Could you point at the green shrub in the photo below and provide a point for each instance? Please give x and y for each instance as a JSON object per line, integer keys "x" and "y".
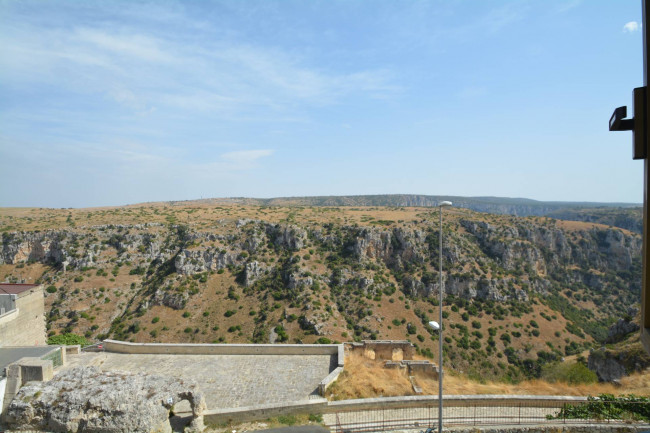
{"x": 51, "y": 289}
{"x": 287, "y": 419}
{"x": 186, "y": 314}
{"x": 68, "y": 339}
{"x": 572, "y": 373}
{"x": 606, "y": 406}
{"x": 315, "y": 417}
{"x": 155, "y": 319}
{"x": 411, "y": 329}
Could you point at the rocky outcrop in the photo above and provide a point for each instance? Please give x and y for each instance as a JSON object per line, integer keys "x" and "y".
{"x": 87, "y": 399}
{"x": 286, "y": 236}
{"x": 620, "y": 330}
{"x": 606, "y": 365}
{"x": 190, "y": 262}
{"x": 253, "y": 271}
{"x": 175, "y": 300}
{"x": 621, "y": 360}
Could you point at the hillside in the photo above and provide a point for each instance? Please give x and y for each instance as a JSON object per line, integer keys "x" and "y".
{"x": 497, "y": 205}
{"x": 522, "y": 292}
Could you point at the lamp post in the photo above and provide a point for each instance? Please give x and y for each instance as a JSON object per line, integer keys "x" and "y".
{"x": 440, "y": 374}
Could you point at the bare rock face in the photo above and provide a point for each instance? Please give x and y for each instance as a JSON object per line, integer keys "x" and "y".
{"x": 253, "y": 271}
{"x": 606, "y": 365}
{"x": 620, "y": 330}
{"x": 170, "y": 299}
{"x": 89, "y": 400}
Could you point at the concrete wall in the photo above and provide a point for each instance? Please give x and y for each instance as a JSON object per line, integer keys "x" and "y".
{"x": 23, "y": 371}
{"x": 451, "y": 401}
{"x": 323, "y": 406}
{"x": 225, "y": 349}
{"x": 329, "y": 379}
{"x": 243, "y": 414}
{"x": 27, "y": 328}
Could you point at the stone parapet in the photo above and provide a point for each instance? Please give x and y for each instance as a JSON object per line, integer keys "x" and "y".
{"x": 325, "y": 383}
{"x": 224, "y": 349}
{"x": 243, "y": 414}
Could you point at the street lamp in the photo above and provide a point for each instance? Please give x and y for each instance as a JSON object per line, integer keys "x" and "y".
{"x": 438, "y": 326}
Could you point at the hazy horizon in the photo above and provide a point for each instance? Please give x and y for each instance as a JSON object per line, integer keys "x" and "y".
{"x": 557, "y": 202}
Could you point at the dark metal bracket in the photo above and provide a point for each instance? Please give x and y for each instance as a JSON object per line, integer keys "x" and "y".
{"x": 638, "y": 124}
{"x": 618, "y": 121}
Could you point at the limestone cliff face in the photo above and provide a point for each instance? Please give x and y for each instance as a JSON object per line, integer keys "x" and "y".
{"x": 482, "y": 260}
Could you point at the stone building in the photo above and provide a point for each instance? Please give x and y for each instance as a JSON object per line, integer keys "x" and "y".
{"x": 22, "y": 315}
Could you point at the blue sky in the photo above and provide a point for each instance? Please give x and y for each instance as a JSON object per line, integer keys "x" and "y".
{"x": 108, "y": 103}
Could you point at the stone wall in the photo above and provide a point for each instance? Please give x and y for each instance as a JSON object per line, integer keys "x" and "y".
{"x": 391, "y": 350}
{"x": 27, "y": 327}
{"x": 241, "y": 414}
{"x": 226, "y": 349}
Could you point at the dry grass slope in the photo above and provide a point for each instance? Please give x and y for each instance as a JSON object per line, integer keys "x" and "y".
{"x": 366, "y": 378}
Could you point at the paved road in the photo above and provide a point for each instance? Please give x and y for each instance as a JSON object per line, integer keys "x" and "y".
{"x": 227, "y": 380}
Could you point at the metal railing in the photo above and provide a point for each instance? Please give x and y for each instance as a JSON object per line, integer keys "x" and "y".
{"x": 55, "y": 356}
{"x": 488, "y": 413}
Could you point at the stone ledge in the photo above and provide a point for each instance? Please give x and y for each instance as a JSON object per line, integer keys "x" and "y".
{"x": 223, "y": 349}
{"x": 251, "y": 413}
{"x": 325, "y": 383}
{"x": 449, "y": 401}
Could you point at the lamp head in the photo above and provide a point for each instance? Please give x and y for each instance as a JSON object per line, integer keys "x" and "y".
{"x": 444, "y": 203}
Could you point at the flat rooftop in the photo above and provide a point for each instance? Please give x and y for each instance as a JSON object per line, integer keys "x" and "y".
{"x": 227, "y": 381}
{"x": 10, "y": 355}
{"x": 15, "y": 289}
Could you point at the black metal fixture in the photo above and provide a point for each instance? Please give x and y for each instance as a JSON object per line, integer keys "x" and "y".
{"x": 637, "y": 124}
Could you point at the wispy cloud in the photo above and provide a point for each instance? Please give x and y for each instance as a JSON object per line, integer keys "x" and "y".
{"x": 631, "y": 27}
{"x": 245, "y": 158}
{"x": 567, "y": 5}
{"x": 141, "y": 70}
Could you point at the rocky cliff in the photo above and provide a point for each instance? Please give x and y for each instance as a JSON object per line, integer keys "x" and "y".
{"x": 348, "y": 274}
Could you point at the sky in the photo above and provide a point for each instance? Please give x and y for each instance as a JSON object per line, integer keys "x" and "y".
{"x": 121, "y": 102}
